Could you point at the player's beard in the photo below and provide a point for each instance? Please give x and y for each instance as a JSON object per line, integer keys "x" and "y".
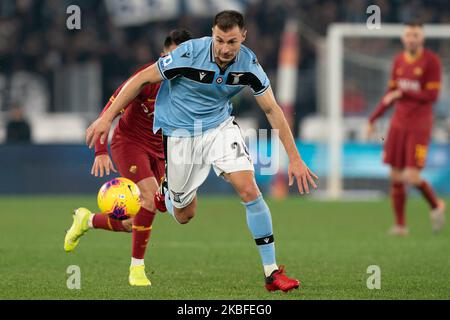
{"x": 414, "y": 49}
{"x": 223, "y": 63}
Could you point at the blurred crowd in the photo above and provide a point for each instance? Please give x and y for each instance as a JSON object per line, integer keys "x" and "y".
{"x": 34, "y": 37}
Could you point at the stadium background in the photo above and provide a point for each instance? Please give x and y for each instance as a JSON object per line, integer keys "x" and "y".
{"x": 62, "y": 78}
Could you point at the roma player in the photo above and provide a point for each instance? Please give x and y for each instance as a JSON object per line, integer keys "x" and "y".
{"x": 139, "y": 156}
{"x": 413, "y": 88}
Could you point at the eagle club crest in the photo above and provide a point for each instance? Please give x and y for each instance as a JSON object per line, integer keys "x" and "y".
{"x": 176, "y": 196}
{"x": 236, "y": 77}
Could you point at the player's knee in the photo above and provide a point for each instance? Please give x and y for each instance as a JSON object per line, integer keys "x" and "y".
{"x": 397, "y": 177}
{"x": 148, "y": 202}
{"x": 183, "y": 219}
{"x": 412, "y": 178}
{"x": 249, "y": 193}
{"x": 184, "y": 215}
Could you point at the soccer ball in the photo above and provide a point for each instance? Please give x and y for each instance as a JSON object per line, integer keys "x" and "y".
{"x": 119, "y": 198}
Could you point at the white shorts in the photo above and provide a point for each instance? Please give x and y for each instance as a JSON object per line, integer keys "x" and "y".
{"x": 189, "y": 159}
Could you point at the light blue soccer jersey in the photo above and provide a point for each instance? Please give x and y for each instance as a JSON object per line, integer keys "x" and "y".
{"x": 198, "y": 92}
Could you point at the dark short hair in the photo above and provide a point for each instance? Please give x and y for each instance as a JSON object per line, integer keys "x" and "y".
{"x": 177, "y": 36}
{"x": 414, "y": 23}
{"x": 228, "y": 19}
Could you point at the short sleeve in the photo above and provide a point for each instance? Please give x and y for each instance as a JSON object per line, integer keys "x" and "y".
{"x": 258, "y": 80}
{"x": 171, "y": 65}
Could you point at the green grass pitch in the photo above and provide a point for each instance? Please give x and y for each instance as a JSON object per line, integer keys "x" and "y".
{"x": 327, "y": 245}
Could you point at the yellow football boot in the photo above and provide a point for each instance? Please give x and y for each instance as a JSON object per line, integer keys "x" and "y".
{"x": 137, "y": 276}
{"x": 78, "y": 228}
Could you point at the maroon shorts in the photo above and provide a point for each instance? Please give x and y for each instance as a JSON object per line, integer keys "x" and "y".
{"x": 406, "y": 148}
{"x": 134, "y": 163}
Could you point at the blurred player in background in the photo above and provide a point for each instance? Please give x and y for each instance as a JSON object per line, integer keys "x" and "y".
{"x": 18, "y": 129}
{"x": 139, "y": 156}
{"x": 202, "y": 76}
{"x": 413, "y": 88}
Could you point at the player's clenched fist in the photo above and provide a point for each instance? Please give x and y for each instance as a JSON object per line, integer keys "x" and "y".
{"x": 303, "y": 174}
{"x": 98, "y": 129}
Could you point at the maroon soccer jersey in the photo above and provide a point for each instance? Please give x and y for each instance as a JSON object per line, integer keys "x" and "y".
{"x": 419, "y": 80}
{"x": 136, "y": 124}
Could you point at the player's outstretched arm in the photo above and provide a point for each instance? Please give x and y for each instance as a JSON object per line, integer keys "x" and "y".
{"x": 297, "y": 168}
{"x": 100, "y": 127}
{"x": 392, "y": 94}
{"x": 386, "y": 102}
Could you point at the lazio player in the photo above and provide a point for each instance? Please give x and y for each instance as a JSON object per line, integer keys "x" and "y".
{"x": 201, "y": 76}
{"x": 413, "y": 88}
{"x": 139, "y": 156}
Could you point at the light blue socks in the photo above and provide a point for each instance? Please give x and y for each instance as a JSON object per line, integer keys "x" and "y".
{"x": 169, "y": 204}
{"x": 259, "y": 222}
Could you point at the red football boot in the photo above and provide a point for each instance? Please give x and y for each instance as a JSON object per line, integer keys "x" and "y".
{"x": 160, "y": 202}
{"x": 160, "y": 196}
{"x": 278, "y": 280}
